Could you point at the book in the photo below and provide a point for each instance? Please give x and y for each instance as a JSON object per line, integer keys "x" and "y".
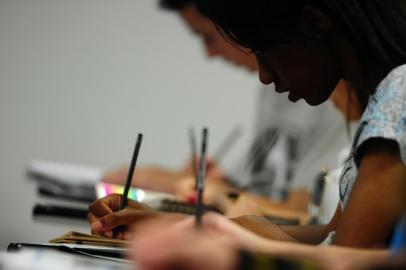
{"x": 73, "y": 237}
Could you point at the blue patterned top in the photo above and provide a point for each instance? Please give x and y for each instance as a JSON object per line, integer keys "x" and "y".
{"x": 385, "y": 117}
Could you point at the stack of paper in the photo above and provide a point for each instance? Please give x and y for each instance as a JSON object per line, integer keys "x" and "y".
{"x": 87, "y": 239}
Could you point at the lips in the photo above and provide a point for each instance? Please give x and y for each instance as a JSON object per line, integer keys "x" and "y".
{"x": 292, "y": 97}
{"x": 278, "y": 89}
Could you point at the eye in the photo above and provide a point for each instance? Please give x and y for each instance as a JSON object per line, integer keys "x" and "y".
{"x": 208, "y": 39}
{"x": 261, "y": 58}
{"x": 255, "y": 52}
{"x": 259, "y": 54}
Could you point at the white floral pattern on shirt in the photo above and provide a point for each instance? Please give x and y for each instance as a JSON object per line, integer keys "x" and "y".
{"x": 385, "y": 117}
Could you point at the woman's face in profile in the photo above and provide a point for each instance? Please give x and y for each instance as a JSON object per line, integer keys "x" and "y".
{"x": 305, "y": 68}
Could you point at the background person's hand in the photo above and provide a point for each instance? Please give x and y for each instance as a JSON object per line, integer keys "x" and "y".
{"x": 146, "y": 177}
{"x": 213, "y": 169}
{"x": 184, "y": 190}
{"x": 116, "y": 176}
{"x": 241, "y": 206}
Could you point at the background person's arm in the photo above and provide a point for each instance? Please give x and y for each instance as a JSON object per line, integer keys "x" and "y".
{"x": 148, "y": 177}
{"x": 162, "y": 179}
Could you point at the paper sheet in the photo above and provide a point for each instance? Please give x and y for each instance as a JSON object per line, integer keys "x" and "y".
{"x": 66, "y": 173}
{"x": 88, "y": 239}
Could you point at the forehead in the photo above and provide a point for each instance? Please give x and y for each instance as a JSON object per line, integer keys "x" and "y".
{"x": 197, "y": 22}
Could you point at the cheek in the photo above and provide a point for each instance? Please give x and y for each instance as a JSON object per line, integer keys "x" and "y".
{"x": 310, "y": 74}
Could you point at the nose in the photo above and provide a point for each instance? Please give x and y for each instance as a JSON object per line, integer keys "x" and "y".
{"x": 211, "y": 51}
{"x": 266, "y": 76}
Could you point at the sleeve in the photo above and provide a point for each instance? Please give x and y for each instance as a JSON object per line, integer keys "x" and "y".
{"x": 385, "y": 116}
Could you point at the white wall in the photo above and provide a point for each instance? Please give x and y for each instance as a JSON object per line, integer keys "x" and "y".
{"x": 79, "y": 79}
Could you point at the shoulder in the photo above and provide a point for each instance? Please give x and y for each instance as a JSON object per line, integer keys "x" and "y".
{"x": 396, "y": 78}
{"x": 385, "y": 116}
{"x": 392, "y": 88}
{"x": 389, "y": 100}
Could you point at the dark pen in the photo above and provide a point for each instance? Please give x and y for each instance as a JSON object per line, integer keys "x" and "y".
{"x": 124, "y": 197}
{"x": 200, "y": 178}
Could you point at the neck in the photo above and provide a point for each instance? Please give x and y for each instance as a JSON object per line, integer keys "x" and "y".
{"x": 365, "y": 77}
{"x": 368, "y": 80}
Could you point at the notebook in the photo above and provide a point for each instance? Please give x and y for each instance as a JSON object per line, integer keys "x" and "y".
{"x": 88, "y": 239}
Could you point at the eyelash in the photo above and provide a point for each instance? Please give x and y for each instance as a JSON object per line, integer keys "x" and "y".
{"x": 257, "y": 53}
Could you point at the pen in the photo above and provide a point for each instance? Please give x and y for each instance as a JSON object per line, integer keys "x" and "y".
{"x": 227, "y": 143}
{"x": 221, "y": 151}
{"x": 200, "y": 178}
{"x": 192, "y": 139}
{"x": 124, "y": 197}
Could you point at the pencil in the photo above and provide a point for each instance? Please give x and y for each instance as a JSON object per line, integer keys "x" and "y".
{"x": 200, "y": 178}
{"x": 227, "y": 143}
{"x": 124, "y": 197}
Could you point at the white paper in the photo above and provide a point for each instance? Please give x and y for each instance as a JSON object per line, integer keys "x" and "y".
{"x": 65, "y": 173}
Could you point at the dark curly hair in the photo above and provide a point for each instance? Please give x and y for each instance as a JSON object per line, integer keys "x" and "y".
{"x": 375, "y": 28}
{"x": 174, "y": 4}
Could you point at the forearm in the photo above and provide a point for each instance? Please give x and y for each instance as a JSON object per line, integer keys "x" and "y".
{"x": 263, "y": 228}
{"x": 298, "y": 200}
{"x": 313, "y": 234}
{"x": 308, "y": 234}
{"x": 281, "y": 209}
{"x": 326, "y": 257}
{"x": 156, "y": 178}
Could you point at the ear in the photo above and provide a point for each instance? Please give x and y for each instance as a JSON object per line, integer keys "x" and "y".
{"x": 318, "y": 20}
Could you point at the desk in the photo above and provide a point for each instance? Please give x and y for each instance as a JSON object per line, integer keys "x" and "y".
{"x": 40, "y": 259}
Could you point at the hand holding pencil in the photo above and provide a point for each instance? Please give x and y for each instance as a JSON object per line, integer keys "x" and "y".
{"x": 114, "y": 220}
{"x": 104, "y": 215}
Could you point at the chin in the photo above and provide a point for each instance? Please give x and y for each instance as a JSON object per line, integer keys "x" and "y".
{"x": 314, "y": 102}
{"x": 293, "y": 100}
